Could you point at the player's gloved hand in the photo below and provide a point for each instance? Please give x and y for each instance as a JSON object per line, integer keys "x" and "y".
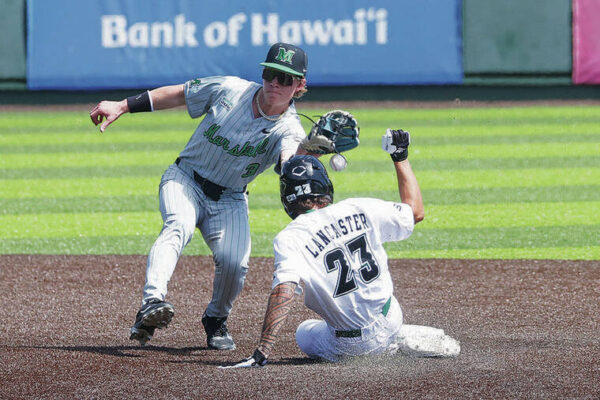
{"x": 335, "y": 132}
{"x": 257, "y": 360}
{"x": 396, "y": 142}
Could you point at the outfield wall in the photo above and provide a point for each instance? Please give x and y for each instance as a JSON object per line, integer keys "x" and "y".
{"x": 110, "y": 44}
{"x": 114, "y": 44}
{"x": 517, "y": 37}
{"x": 12, "y": 41}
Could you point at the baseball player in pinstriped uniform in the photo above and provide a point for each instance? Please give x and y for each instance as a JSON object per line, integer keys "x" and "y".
{"x": 337, "y": 251}
{"x": 246, "y": 129}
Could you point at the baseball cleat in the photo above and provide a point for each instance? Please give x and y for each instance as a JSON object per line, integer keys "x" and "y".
{"x": 154, "y": 314}
{"x": 142, "y": 334}
{"x": 217, "y": 335}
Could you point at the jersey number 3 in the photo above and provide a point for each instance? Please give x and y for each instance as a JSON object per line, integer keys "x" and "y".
{"x": 251, "y": 170}
{"x": 336, "y": 259}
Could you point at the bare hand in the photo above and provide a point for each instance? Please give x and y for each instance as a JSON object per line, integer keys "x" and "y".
{"x": 108, "y": 111}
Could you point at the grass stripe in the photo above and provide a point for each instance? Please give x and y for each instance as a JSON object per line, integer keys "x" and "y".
{"x": 45, "y": 205}
{"x": 51, "y": 205}
{"x": 59, "y": 188}
{"x": 423, "y": 135}
{"x": 508, "y": 195}
{"x": 42, "y": 150}
{"x": 458, "y": 138}
{"x": 376, "y": 119}
{"x": 467, "y": 216}
{"x": 454, "y": 243}
{"x": 173, "y": 134}
{"x": 474, "y": 155}
{"x": 268, "y": 183}
{"x": 519, "y": 114}
{"x": 465, "y": 152}
{"x": 115, "y": 154}
{"x": 449, "y": 123}
{"x": 503, "y": 237}
{"x": 57, "y": 121}
{"x": 132, "y": 158}
{"x": 381, "y": 165}
{"x": 511, "y": 215}
{"x": 93, "y": 245}
{"x": 508, "y": 178}
{"x": 480, "y": 116}
{"x": 540, "y": 253}
{"x": 65, "y": 225}
{"x": 515, "y": 111}
{"x": 183, "y": 127}
{"x": 84, "y": 172}
{"x": 498, "y": 132}
{"x": 419, "y": 165}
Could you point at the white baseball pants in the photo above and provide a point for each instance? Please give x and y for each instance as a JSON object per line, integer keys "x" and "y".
{"x": 318, "y": 340}
{"x": 387, "y": 335}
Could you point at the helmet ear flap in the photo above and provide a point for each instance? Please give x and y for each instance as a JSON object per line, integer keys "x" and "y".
{"x": 303, "y": 177}
{"x": 288, "y": 199}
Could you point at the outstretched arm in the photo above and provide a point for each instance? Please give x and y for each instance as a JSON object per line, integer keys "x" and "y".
{"x": 396, "y": 142}
{"x": 278, "y": 309}
{"x": 410, "y": 192}
{"x": 167, "y": 97}
{"x": 106, "y": 112}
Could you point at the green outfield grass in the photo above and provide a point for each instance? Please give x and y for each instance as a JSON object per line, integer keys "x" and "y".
{"x": 521, "y": 182}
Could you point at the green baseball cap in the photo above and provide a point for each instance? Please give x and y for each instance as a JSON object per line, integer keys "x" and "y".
{"x": 287, "y": 58}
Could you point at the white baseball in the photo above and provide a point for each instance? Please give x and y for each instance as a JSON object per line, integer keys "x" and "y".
{"x": 338, "y": 162}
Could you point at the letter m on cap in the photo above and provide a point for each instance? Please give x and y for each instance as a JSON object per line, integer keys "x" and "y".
{"x": 285, "y": 56}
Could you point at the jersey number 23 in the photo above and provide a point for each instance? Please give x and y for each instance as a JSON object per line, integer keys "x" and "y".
{"x": 337, "y": 259}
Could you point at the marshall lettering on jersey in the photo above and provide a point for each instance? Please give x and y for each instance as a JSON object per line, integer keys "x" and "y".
{"x": 246, "y": 150}
{"x": 343, "y": 226}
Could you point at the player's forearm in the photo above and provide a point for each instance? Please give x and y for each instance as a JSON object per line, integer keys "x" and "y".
{"x": 167, "y": 97}
{"x": 410, "y": 192}
{"x": 277, "y": 312}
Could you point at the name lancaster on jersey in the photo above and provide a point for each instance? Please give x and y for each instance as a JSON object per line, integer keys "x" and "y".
{"x": 343, "y": 226}
{"x": 246, "y": 149}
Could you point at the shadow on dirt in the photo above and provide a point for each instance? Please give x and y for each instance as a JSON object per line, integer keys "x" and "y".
{"x": 126, "y": 351}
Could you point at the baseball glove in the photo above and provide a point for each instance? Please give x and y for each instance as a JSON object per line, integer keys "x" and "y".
{"x": 335, "y": 132}
{"x": 396, "y": 142}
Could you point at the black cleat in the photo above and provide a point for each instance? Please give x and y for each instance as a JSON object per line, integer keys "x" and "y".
{"x": 154, "y": 314}
{"x": 217, "y": 335}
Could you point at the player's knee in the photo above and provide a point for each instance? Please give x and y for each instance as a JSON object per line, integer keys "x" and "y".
{"x": 178, "y": 229}
{"x": 305, "y": 336}
{"x": 225, "y": 258}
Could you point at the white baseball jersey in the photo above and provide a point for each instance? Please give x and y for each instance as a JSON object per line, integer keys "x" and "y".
{"x": 230, "y": 147}
{"x": 338, "y": 253}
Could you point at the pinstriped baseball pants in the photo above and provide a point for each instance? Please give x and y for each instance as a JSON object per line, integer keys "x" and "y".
{"x": 224, "y": 227}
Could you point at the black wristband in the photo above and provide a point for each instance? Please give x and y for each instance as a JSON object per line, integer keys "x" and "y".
{"x": 401, "y": 156}
{"x": 140, "y": 103}
{"x": 259, "y": 357}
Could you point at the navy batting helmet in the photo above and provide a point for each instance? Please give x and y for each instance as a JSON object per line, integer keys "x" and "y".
{"x": 303, "y": 177}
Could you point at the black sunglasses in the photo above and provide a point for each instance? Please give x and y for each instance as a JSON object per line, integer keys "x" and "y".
{"x": 283, "y": 78}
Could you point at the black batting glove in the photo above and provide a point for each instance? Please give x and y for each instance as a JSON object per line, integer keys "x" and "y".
{"x": 257, "y": 360}
{"x": 396, "y": 142}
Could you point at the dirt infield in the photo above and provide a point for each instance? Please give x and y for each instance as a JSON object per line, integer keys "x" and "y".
{"x": 528, "y": 329}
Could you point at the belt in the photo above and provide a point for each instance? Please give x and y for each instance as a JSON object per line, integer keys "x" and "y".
{"x": 209, "y": 188}
{"x": 357, "y": 332}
